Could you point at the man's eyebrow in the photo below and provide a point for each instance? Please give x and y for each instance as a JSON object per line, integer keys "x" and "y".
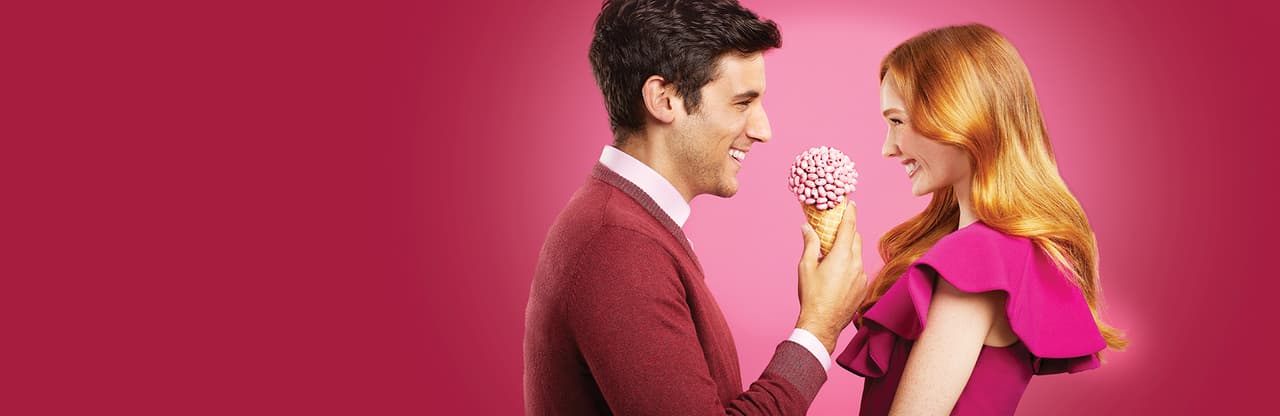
{"x": 745, "y": 95}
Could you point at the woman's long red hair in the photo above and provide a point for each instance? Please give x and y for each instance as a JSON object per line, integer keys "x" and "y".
{"x": 968, "y": 87}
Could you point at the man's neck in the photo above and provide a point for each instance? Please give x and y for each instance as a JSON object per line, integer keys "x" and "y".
{"x": 652, "y": 151}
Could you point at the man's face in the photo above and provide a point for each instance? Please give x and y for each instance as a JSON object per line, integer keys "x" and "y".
{"x": 709, "y": 146}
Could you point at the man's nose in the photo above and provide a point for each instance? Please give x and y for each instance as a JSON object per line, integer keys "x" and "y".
{"x": 758, "y": 127}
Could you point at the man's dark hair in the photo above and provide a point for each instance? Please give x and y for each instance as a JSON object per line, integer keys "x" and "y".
{"x": 679, "y": 40}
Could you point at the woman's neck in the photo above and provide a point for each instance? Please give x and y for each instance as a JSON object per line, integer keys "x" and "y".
{"x": 966, "y": 208}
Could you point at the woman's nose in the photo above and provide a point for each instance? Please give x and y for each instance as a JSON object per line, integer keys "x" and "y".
{"x": 889, "y": 149}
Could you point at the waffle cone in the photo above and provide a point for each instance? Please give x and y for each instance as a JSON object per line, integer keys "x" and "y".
{"x": 825, "y": 222}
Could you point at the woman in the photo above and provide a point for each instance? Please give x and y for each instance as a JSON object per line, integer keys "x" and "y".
{"x": 1002, "y": 265}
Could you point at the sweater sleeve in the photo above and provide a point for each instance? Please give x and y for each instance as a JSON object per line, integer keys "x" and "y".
{"x": 630, "y": 318}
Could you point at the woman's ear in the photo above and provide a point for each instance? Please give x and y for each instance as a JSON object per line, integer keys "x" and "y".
{"x": 660, "y": 99}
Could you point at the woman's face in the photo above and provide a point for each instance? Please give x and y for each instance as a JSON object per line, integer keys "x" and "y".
{"x": 929, "y": 164}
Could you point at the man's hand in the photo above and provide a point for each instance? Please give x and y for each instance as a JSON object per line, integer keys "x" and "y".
{"x": 831, "y": 288}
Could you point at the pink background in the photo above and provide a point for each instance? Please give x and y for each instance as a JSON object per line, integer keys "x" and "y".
{"x": 327, "y": 208}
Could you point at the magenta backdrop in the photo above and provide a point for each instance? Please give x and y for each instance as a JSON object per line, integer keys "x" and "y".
{"x": 336, "y": 207}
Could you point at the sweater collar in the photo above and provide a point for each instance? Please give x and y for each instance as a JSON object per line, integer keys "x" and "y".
{"x": 649, "y": 181}
{"x": 604, "y": 174}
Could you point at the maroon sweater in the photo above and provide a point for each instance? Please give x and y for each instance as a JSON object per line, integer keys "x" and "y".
{"x": 620, "y": 321}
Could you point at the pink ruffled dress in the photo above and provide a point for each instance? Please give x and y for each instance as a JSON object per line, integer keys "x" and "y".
{"x": 1055, "y": 329}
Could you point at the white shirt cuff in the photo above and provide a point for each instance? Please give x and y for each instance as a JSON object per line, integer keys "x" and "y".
{"x": 810, "y": 342}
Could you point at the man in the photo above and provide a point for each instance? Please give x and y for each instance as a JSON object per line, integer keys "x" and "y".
{"x": 620, "y": 319}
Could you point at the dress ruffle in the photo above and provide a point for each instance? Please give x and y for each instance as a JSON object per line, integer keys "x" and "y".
{"x": 1046, "y": 310}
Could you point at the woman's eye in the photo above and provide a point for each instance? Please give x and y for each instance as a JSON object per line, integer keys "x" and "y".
{"x": 895, "y": 121}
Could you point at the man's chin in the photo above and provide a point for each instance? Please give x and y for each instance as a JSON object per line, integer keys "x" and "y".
{"x": 727, "y": 189}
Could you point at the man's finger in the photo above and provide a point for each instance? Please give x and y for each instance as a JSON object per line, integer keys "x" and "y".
{"x": 857, "y": 246}
{"x": 852, "y": 210}
{"x": 844, "y": 234}
{"x": 811, "y": 245}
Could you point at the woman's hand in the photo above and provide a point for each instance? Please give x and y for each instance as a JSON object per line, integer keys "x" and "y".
{"x": 831, "y": 288}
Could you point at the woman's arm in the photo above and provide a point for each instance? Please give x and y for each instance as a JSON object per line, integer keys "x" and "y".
{"x": 943, "y": 358}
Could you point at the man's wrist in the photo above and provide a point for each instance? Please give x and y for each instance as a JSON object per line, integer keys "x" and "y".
{"x": 811, "y": 343}
{"x": 822, "y": 332}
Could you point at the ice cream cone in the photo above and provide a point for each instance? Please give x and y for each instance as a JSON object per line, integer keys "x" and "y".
{"x": 824, "y": 222}
{"x": 821, "y": 179}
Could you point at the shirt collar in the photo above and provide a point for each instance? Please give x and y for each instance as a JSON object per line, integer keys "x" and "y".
{"x": 649, "y": 181}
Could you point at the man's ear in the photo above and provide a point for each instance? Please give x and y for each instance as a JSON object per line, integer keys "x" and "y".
{"x": 660, "y": 99}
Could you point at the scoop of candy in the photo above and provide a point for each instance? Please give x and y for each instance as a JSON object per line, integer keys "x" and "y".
{"x": 821, "y": 177}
